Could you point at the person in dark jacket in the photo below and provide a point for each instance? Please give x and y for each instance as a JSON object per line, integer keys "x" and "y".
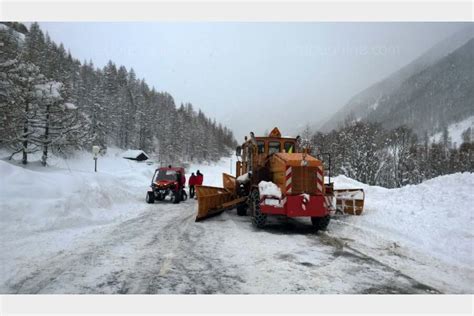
{"x": 192, "y": 183}
{"x": 199, "y": 178}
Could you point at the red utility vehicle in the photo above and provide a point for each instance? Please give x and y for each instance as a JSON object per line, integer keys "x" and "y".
{"x": 167, "y": 182}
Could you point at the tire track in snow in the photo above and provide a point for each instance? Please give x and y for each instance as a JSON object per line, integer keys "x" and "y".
{"x": 194, "y": 267}
{"x": 341, "y": 246}
{"x": 68, "y": 271}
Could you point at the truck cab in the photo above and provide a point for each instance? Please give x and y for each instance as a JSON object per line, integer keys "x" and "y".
{"x": 256, "y": 151}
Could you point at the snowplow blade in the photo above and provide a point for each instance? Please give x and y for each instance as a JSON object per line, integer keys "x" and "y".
{"x": 214, "y": 200}
{"x": 350, "y": 201}
{"x": 211, "y": 200}
{"x": 229, "y": 182}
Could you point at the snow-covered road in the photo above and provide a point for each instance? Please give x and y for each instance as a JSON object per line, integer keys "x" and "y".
{"x": 162, "y": 250}
{"x": 65, "y": 229}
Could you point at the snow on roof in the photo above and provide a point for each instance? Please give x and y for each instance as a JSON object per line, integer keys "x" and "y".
{"x": 134, "y": 153}
{"x": 69, "y": 106}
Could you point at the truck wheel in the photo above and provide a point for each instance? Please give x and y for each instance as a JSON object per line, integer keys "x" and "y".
{"x": 320, "y": 223}
{"x": 258, "y": 218}
{"x": 242, "y": 209}
{"x": 150, "y": 197}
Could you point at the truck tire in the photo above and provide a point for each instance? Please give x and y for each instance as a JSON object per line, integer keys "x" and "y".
{"x": 258, "y": 218}
{"x": 242, "y": 209}
{"x": 150, "y": 197}
{"x": 320, "y": 223}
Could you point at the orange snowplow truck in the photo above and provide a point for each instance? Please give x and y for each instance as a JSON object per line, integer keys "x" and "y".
{"x": 274, "y": 176}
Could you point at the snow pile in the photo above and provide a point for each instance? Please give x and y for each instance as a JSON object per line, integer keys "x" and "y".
{"x": 434, "y": 218}
{"x": 244, "y": 178}
{"x": 68, "y": 193}
{"x": 47, "y": 210}
{"x": 269, "y": 189}
{"x": 343, "y": 182}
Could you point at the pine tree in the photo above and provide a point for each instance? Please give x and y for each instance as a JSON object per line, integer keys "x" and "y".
{"x": 50, "y": 101}
{"x": 22, "y": 109}
{"x": 56, "y": 121}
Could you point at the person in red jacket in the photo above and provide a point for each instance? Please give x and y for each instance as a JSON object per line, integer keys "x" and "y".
{"x": 192, "y": 183}
{"x": 199, "y": 178}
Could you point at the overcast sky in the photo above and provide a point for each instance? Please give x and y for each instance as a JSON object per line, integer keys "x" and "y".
{"x": 254, "y": 76}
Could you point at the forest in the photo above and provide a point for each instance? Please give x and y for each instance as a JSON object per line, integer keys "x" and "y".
{"x": 52, "y": 103}
{"x": 390, "y": 158}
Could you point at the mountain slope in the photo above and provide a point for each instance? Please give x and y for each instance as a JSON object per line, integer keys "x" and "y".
{"x": 441, "y": 94}
{"x": 362, "y": 104}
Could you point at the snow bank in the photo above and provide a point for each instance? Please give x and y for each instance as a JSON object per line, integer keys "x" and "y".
{"x": 435, "y": 217}
{"x": 269, "y": 189}
{"x": 343, "y": 182}
{"x": 68, "y": 193}
{"x": 48, "y": 210}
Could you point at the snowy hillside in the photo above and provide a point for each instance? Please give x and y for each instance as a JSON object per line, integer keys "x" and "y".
{"x": 93, "y": 233}
{"x": 438, "y": 95}
{"x": 456, "y": 130}
{"x": 405, "y": 96}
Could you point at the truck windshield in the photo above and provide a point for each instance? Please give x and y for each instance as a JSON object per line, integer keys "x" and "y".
{"x": 273, "y": 147}
{"x": 166, "y": 175}
{"x": 289, "y": 147}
